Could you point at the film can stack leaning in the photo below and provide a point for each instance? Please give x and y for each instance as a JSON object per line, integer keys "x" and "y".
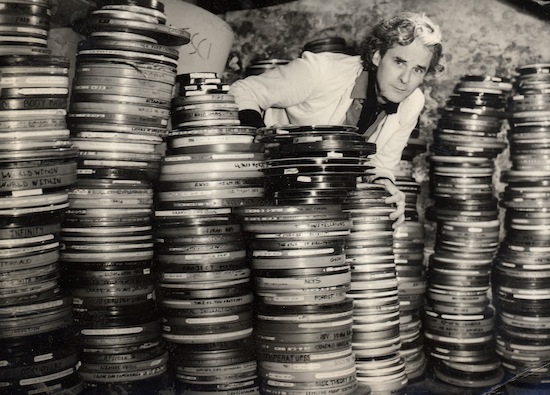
{"x": 118, "y": 116}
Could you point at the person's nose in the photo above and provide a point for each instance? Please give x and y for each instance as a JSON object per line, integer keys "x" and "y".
{"x": 405, "y": 76}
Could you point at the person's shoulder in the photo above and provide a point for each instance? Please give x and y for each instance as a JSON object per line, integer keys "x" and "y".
{"x": 415, "y": 101}
{"x": 336, "y": 65}
{"x": 412, "y": 106}
{"x": 331, "y": 57}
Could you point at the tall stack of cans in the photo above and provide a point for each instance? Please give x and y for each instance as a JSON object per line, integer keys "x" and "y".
{"x": 521, "y": 281}
{"x": 408, "y": 250}
{"x": 212, "y": 165}
{"x": 38, "y": 165}
{"x": 118, "y": 116}
{"x": 459, "y": 317}
{"x": 297, "y": 252}
{"x": 374, "y": 290}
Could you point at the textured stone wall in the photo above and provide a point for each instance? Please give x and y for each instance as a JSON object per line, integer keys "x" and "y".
{"x": 480, "y": 36}
{"x": 487, "y": 37}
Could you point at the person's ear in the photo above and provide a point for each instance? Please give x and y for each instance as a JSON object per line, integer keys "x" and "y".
{"x": 376, "y": 58}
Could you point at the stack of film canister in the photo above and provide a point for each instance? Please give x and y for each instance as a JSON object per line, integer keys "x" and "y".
{"x": 405, "y": 178}
{"x": 298, "y": 259}
{"x": 521, "y": 276}
{"x": 470, "y": 122}
{"x": 303, "y": 318}
{"x": 313, "y": 164}
{"x": 326, "y": 44}
{"x": 24, "y": 27}
{"x": 124, "y": 81}
{"x": 374, "y": 290}
{"x": 260, "y": 66}
{"x": 459, "y": 318}
{"x": 408, "y": 250}
{"x": 195, "y": 105}
{"x": 212, "y": 165}
{"x": 120, "y": 106}
{"x": 38, "y": 165}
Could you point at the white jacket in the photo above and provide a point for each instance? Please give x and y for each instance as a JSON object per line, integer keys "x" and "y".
{"x": 315, "y": 90}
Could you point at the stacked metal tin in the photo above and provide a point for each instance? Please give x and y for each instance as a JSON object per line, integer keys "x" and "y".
{"x": 521, "y": 277}
{"x": 212, "y": 166}
{"x": 24, "y": 27}
{"x": 313, "y": 164}
{"x": 408, "y": 250}
{"x": 326, "y": 44}
{"x": 459, "y": 317}
{"x": 303, "y": 316}
{"x": 373, "y": 288}
{"x": 37, "y": 167}
{"x": 118, "y": 116}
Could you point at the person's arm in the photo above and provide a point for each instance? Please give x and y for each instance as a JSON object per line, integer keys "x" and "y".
{"x": 397, "y": 197}
{"x": 281, "y": 87}
{"x": 386, "y": 159}
{"x": 388, "y": 155}
{"x": 391, "y": 143}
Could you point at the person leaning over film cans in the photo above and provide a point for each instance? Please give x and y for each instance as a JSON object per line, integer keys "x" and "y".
{"x": 378, "y": 91}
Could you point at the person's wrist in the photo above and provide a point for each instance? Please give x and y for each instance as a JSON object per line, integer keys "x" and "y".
{"x": 251, "y": 118}
{"x": 382, "y": 180}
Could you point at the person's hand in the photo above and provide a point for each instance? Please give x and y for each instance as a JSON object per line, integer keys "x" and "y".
{"x": 251, "y": 118}
{"x": 397, "y": 197}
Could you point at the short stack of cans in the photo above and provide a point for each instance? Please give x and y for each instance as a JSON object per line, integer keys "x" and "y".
{"x": 521, "y": 281}
{"x": 459, "y": 317}
{"x": 313, "y": 164}
{"x": 212, "y": 165}
{"x": 24, "y": 27}
{"x": 38, "y": 165}
{"x": 118, "y": 116}
{"x": 471, "y": 121}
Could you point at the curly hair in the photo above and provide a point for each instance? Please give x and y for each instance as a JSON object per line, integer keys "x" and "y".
{"x": 403, "y": 29}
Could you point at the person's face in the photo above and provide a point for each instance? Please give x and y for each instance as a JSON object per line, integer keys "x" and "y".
{"x": 401, "y": 70}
